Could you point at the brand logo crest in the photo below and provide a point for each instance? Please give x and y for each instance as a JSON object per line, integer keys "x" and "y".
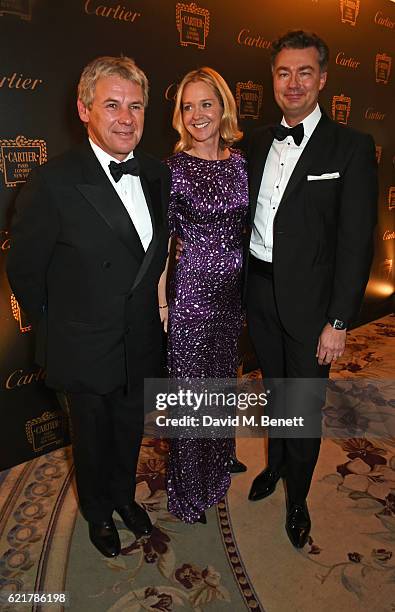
{"x": 19, "y": 315}
{"x": 46, "y": 430}
{"x": 341, "y": 108}
{"x": 193, "y": 24}
{"x": 383, "y": 68}
{"x": 391, "y": 198}
{"x": 349, "y": 10}
{"x": 249, "y": 97}
{"x": 18, "y": 157}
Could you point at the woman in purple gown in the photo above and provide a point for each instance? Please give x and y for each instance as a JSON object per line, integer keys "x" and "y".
{"x": 207, "y": 211}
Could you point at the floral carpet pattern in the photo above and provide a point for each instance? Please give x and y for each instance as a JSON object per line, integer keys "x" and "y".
{"x": 366, "y": 483}
{"x": 349, "y": 562}
{"x": 44, "y": 546}
{"x": 241, "y": 560}
{"x": 177, "y": 566}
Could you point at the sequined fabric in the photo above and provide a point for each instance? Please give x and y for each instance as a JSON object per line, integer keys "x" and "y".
{"x": 208, "y": 208}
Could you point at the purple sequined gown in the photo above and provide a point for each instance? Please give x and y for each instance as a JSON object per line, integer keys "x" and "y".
{"x": 208, "y": 208}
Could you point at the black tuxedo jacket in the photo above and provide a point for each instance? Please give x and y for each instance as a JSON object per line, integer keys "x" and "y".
{"x": 323, "y": 229}
{"x": 79, "y": 270}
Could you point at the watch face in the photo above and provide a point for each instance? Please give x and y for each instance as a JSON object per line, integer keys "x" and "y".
{"x": 337, "y": 324}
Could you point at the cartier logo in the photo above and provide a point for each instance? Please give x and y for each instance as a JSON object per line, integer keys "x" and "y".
{"x": 253, "y": 40}
{"x": 19, "y": 81}
{"x": 4, "y": 240}
{"x": 382, "y": 20}
{"x": 341, "y": 108}
{"x": 383, "y": 68}
{"x": 171, "y": 91}
{"x": 19, "y": 378}
{"x": 19, "y": 156}
{"x": 374, "y": 115}
{"x": 347, "y": 62}
{"x": 193, "y": 24}
{"x": 118, "y": 12}
{"x": 349, "y": 10}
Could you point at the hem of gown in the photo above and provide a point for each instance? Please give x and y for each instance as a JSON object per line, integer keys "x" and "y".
{"x": 192, "y": 517}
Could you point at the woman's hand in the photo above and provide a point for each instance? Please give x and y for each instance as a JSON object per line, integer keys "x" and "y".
{"x": 164, "y": 316}
{"x": 179, "y": 248}
{"x": 162, "y": 294}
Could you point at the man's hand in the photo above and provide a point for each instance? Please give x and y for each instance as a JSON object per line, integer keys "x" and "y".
{"x": 331, "y": 344}
{"x": 179, "y": 248}
{"x": 164, "y": 316}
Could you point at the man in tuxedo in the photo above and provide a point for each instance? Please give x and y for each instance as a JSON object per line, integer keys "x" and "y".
{"x": 89, "y": 243}
{"x": 313, "y": 193}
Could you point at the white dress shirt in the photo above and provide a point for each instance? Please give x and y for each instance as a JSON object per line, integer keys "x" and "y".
{"x": 131, "y": 193}
{"x": 280, "y": 164}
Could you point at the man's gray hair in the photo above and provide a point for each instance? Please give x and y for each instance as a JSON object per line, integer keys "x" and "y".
{"x": 106, "y": 66}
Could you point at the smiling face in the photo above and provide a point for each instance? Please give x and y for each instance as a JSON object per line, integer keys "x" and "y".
{"x": 297, "y": 81}
{"x": 115, "y": 119}
{"x": 201, "y": 112}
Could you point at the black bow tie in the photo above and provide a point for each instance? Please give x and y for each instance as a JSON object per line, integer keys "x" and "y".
{"x": 128, "y": 167}
{"x": 281, "y": 132}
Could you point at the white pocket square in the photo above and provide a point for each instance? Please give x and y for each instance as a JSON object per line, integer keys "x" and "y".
{"x": 323, "y": 177}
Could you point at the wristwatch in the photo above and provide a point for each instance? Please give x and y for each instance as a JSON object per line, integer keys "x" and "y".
{"x": 338, "y": 324}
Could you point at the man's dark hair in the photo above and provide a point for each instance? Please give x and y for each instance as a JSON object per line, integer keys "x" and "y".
{"x": 298, "y": 39}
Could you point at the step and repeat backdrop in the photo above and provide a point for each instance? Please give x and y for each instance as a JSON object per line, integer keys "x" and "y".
{"x": 44, "y": 46}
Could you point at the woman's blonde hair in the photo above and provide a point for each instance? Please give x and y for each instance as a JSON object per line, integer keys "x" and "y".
{"x": 229, "y": 130}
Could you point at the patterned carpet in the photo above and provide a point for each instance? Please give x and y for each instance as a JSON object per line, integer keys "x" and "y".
{"x": 242, "y": 559}
{"x": 349, "y": 563}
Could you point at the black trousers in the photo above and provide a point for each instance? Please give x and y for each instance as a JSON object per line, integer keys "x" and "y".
{"x": 282, "y": 356}
{"x": 106, "y": 438}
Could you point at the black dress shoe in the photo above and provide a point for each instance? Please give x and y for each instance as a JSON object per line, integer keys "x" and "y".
{"x": 202, "y": 518}
{"x": 298, "y": 524}
{"x": 135, "y": 518}
{"x": 264, "y": 484}
{"x": 105, "y": 537}
{"x": 236, "y": 466}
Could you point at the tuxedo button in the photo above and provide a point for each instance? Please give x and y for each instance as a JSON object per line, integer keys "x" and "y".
{"x": 106, "y": 264}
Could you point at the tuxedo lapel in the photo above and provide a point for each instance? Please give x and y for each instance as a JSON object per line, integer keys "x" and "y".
{"x": 152, "y": 190}
{"x": 312, "y": 151}
{"x": 257, "y": 161}
{"x": 99, "y": 192}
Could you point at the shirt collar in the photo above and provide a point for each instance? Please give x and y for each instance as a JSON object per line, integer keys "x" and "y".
{"x": 309, "y": 123}
{"x": 103, "y": 157}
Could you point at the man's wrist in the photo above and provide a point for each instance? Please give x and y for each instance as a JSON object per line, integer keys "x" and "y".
{"x": 337, "y": 323}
